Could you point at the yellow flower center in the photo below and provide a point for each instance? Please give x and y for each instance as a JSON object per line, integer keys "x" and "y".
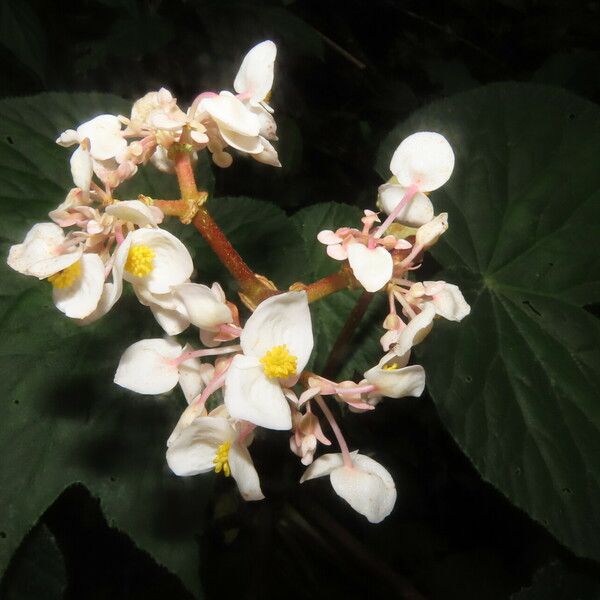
{"x": 67, "y": 277}
{"x": 278, "y": 362}
{"x": 390, "y": 367}
{"x": 221, "y": 459}
{"x": 140, "y": 260}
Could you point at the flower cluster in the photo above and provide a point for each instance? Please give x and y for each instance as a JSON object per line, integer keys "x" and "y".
{"x": 95, "y": 242}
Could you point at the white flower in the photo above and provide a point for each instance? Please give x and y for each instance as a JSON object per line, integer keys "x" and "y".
{"x": 424, "y": 159}
{"x": 104, "y": 134}
{"x": 211, "y": 443}
{"x": 43, "y": 252}
{"x": 155, "y": 259}
{"x": 394, "y": 379}
{"x": 366, "y": 486}
{"x": 255, "y": 77}
{"x": 276, "y": 343}
{"x": 445, "y": 297}
{"x": 238, "y": 126}
{"x": 416, "y": 213}
{"x": 373, "y": 267}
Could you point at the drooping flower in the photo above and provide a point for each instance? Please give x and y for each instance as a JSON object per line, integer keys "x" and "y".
{"x": 307, "y": 432}
{"x": 392, "y": 378}
{"x": 276, "y": 342}
{"x": 445, "y": 297}
{"x": 212, "y": 443}
{"x": 366, "y": 485}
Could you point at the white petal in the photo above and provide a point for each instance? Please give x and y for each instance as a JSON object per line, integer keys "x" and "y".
{"x": 133, "y": 211}
{"x": 368, "y": 488}
{"x": 194, "y": 449}
{"x": 398, "y": 383}
{"x": 68, "y": 138}
{"x": 202, "y": 307}
{"x": 112, "y": 291}
{"x": 146, "y": 367}
{"x": 172, "y": 321}
{"x": 160, "y": 159}
{"x": 193, "y": 376}
{"x": 372, "y": 267}
{"x": 428, "y": 234}
{"x": 40, "y": 253}
{"x": 416, "y": 330}
{"x": 231, "y": 114}
{"x": 172, "y": 263}
{"x": 424, "y": 159}
{"x": 328, "y": 237}
{"x": 416, "y": 213}
{"x": 255, "y": 76}
{"x": 450, "y": 303}
{"x": 337, "y": 252}
{"x": 268, "y": 126}
{"x": 268, "y": 155}
{"x": 104, "y": 133}
{"x": 324, "y": 465}
{"x": 82, "y": 168}
{"x": 81, "y": 299}
{"x": 250, "y": 395}
{"x": 244, "y": 473}
{"x": 282, "y": 319}
{"x": 241, "y": 142}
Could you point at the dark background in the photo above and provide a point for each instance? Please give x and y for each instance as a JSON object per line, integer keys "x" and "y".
{"x": 346, "y": 73}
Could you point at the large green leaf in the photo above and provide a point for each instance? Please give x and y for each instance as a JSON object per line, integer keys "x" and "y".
{"x": 517, "y": 382}
{"x": 63, "y": 420}
{"x": 37, "y": 570}
{"x": 330, "y": 314}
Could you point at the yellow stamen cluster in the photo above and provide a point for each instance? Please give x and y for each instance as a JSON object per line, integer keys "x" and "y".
{"x": 140, "y": 260}
{"x": 67, "y": 277}
{"x": 279, "y": 363}
{"x": 221, "y": 459}
{"x": 390, "y": 367}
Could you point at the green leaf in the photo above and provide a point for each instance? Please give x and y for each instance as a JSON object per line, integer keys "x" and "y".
{"x": 330, "y": 314}
{"x": 556, "y": 582}
{"x": 517, "y": 382}
{"x": 63, "y": 419}
{"x": 37, "y": 569}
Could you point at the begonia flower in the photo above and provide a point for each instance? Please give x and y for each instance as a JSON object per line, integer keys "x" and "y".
{"x": 366, "y": 485}
{"x": 276, "y": 342}
{"x": 155, "y": 260}
{"x": 212, "y": 443}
